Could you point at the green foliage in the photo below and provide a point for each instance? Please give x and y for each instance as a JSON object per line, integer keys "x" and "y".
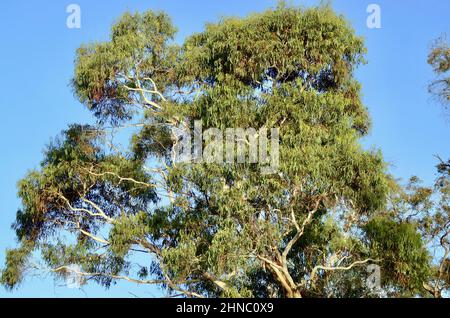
{"x": 439, "y": 59}
{"x": 127, "y": 231}
{"x": 16, "y": 262}
{"x": 405, "y": 260}
{"x": 139, "y": 44}
{"x": 221, "y": 230}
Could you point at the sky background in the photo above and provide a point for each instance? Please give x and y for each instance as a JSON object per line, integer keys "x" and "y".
{"x": 36, "y": 60}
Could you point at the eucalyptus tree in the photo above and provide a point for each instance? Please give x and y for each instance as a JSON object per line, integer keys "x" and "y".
{"x": 432, "y": 204}
{"x": 213, "y": 229}
{"x": 439, "y": 59}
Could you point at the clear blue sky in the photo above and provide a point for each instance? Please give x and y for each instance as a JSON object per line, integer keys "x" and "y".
{"x": 36, "y": 59}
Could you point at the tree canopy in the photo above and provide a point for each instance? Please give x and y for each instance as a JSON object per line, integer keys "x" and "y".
{"x": 439, "y": 59}
{"x": 225, "y": 229}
